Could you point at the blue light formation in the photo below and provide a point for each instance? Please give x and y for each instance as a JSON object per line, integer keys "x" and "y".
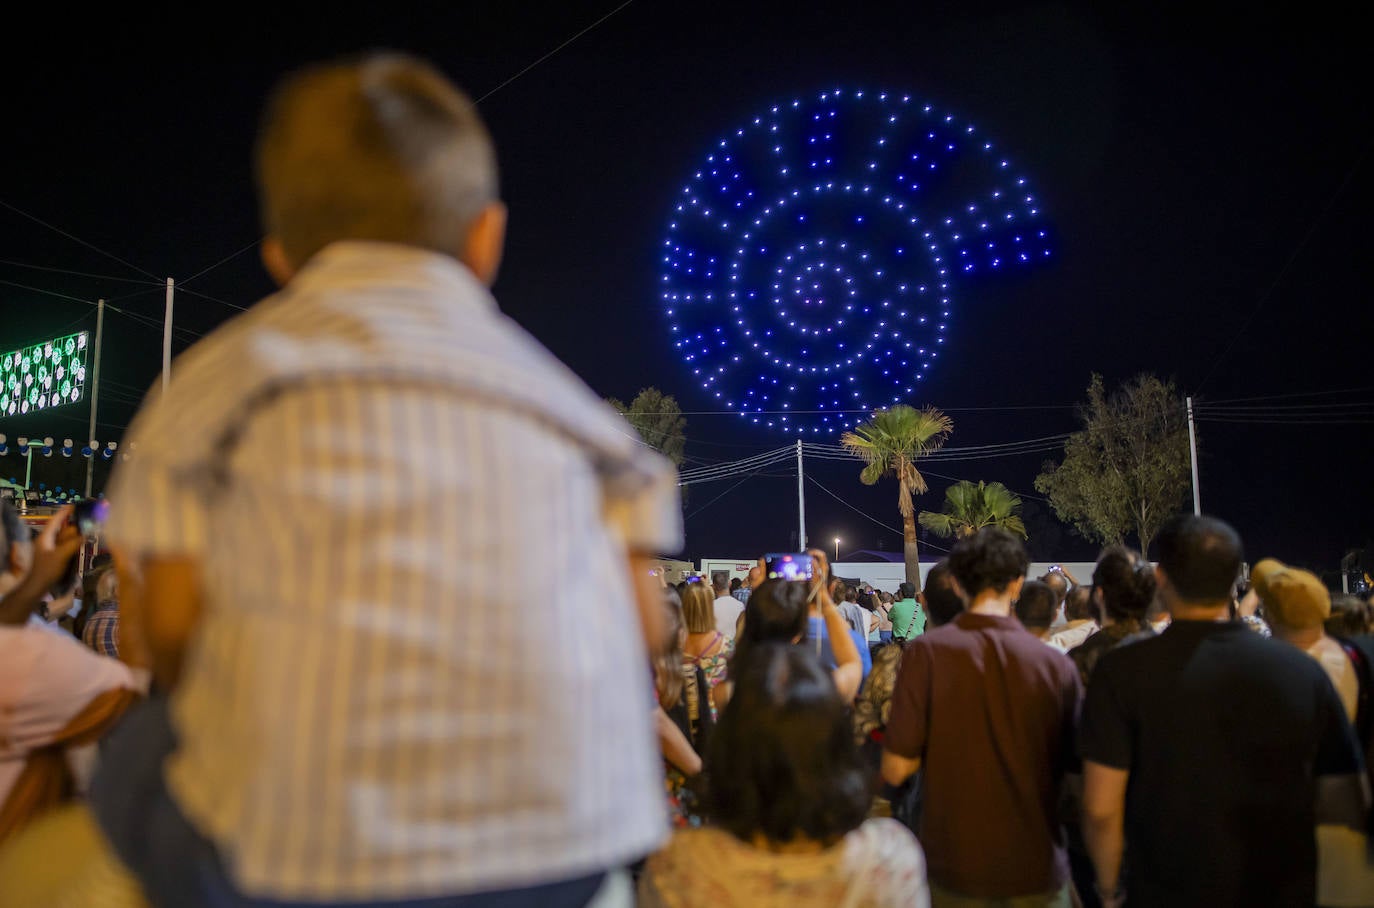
{"x": 810, "y": 265}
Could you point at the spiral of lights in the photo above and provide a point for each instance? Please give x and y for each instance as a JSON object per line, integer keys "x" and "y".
{"x": 810, "y": 264}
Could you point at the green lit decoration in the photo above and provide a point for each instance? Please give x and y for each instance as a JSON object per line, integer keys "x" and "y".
{"x": 47, "y": 374}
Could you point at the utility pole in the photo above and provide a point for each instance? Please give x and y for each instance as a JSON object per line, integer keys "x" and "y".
{"x": 801, "y": 502}
{"x": 1192, "y": 449}
{"x": 95, "y": 392}
{"x": 167, "y": 340}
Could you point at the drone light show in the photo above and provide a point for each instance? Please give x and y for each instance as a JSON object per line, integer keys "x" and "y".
{"x": 812, "y": 262}
{"x": 44, "y": 375}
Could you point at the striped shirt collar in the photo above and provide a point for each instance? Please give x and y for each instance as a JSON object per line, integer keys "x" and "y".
{"x": 368, "y": 310}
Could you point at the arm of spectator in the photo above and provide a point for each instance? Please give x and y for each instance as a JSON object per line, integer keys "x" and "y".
{"x": 720, "y": 695}
{"x": 677, "y": 750}
{"x": 897, "y": 769}
{"x": 161, "y": 602}
{"x": 1069, "y": 576}
{"x": 53, "y": 550}
{"x": 849, "y": 669}
{"x": 648, "y": 600}
{"x": 1342, "y": 789}
{"x": 1104, "y": 817}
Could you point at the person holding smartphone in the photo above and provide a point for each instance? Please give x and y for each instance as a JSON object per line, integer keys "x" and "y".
{"x": 800, "y": 611}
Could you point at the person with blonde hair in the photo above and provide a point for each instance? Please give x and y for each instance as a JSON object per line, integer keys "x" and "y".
{"x": 705, "y": 647}
{"x": 361, "y": 719}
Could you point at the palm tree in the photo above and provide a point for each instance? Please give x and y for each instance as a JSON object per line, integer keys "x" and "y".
{"x": 969, "y": 508}
{"x": 890, "y": 444}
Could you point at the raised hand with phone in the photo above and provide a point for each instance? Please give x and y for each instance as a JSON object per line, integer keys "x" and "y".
{"x": 849, "y": 670}
{"x": 50, "y": 557}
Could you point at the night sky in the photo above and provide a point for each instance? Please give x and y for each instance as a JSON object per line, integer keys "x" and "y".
{"x": 1209, "y": 181}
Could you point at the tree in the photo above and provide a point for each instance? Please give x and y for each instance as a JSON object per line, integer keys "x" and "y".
{"x": 1127, "y": 470}
{"x": 658, "y": 420}
{"x": 889, "y": 444}
{"x": 969, "y": 508}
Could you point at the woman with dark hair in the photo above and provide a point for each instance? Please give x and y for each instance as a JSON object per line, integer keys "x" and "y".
{"x": 788, "y": 798}
{"x": 792, "y": 611}
{"x": 1123, "y": 588}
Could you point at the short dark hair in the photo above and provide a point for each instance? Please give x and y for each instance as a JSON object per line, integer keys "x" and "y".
{"x": 782, "y": 760}
{"x": 720, "y": 581}
{"x": 1036, "y": 605}
{"x": 1127, "y": 583}
{"x": 943, "y": 599}
{"x": 1351, "y": 616}
{"x": 1078, "y": 605}
{"x": 777, "y": 612}
{"x": 990, "y": 559}
{"x": 735, "y": 583}
{"x": 906, "y": 590}
{"x": 1201, "y": 557}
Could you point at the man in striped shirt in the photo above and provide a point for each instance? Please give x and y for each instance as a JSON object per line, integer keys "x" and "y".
{"x": 341, "y": 514}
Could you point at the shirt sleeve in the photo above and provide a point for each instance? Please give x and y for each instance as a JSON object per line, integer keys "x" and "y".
{"x": 647, "y": 514}
{"x": 157, "y": 506}
{"x": 1105, "y": 731}
{"x": 62, "y": 679}
{"x": 1338, "y": 751}
{"x": 906, "y": 729}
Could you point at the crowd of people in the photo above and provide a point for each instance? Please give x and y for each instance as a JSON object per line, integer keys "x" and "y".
{"x": 323, "y": 671}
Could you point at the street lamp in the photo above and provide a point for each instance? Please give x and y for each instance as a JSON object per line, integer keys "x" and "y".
{"x": 837, "y": 548}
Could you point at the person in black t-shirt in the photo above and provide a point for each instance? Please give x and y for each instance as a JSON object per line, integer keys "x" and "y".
{"x": 1216, "y": 752}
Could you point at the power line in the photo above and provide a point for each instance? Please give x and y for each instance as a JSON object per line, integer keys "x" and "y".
{"x": 222, "y": 261}
{"x": 103, "y": 277}
{"x": 180, "y": 289}
{"x": 77, "y": 239}
{"x": 1311, "y": 231}
{"x": 1241, "y": 400}
{"x": 717, "y": 498}
{"x": 554, "y": 51}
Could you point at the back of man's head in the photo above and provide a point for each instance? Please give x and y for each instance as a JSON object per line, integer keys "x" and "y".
{"x": 989, "y": 560}
{"x": 380, "y": 148}
{"x": 1058, "y": 583}
{"x": 942, "y": 599}
{"x": 1200, "y": 557}
{"x": 906, "y": 590}
{"x": 1078, "y": 605}
{"x": 720, "y": 582}
{"x": 1036, "y": 605}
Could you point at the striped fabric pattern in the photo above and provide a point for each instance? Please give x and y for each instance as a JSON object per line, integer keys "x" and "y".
{"x": 420, "y": 670}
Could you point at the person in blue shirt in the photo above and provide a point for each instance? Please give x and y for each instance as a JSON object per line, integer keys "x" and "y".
{"x": 802, "y": 612}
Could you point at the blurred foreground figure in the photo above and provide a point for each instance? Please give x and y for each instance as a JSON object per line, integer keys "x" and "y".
{"x": 340, "y": 517}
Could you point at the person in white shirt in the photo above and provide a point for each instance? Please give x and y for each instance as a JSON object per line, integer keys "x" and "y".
{"x": 727, "y": 607}
{"x": 1297, "y": 605}
{"x": 1078, "y": 608}
{"x": 336, "y": 498}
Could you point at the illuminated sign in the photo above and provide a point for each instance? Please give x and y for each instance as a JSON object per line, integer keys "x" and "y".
{"x": 46, "y": 374}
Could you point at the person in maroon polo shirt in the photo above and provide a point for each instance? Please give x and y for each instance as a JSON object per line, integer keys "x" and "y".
{"x": 988, "y": 711}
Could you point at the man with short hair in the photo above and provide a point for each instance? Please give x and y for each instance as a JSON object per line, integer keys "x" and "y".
{"x": 1212, "y": 751}
{"x": 727, "y": 607}
{"x": 358, "y": 721}
{"x": 907, "y": 616}
{"x": 980, "y": 695}
{"x": 1035, "y": 608}
{"x": 941, "y": 599}
{"x": 1057, "y": 582}
{"x": 101, "y": 632}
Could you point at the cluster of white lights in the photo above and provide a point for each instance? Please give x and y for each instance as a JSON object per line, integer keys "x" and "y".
{"x": 808, "y": 265}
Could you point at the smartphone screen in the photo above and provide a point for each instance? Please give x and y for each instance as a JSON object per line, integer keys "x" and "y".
{"x": 791, "y": 566}
{"x": 90, "y": 515}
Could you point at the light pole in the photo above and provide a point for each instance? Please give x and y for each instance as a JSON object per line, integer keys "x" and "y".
{"x": 837, "y": 548}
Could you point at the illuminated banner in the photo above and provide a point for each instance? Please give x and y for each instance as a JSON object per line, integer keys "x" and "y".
{"x": 47, "y": 374}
